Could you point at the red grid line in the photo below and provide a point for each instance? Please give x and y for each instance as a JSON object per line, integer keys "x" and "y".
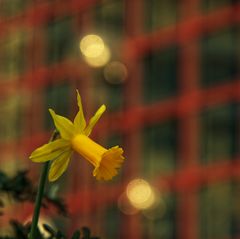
{"x": 42, "y": 76}
{"x": 39, "y": 14}
{"x": 133, "y": 47}
{"x": 183, "y": 180}
{"x": 188, "y": 30}
{"x": 188, "y": 126}
{"x": 190, "y": 179}
{"x": 137, "y": 117}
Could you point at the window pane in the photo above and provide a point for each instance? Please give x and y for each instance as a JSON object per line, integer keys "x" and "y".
{"x": 218, "y": 133}
{"x": 11, "y": 7}
{"x": 12, "y": 54}
{"x": 113, "y": 140}
{"x": 216, "y": 211}
{"x": 161, "y": 223}
{"x": 114, "y": 97}
{"x": 112, "y": 222}
{"x": 160, "y": 13}
{"x": 107, "y": 93}
{"x": 10, "y": 123}
{"x": 160, "y": 74}
{"x": 58, "y": 98}
{"x": 236, "y": 208}
{"x": 210, "y": 5}
{"x": 219, "y": 59}
{"x": 109, "y": 17}
{"x": 61, "y": 40}
{"x": 159, "y": 149}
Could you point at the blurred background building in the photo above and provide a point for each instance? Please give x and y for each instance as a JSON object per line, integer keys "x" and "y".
{"x": 168, "y": 72}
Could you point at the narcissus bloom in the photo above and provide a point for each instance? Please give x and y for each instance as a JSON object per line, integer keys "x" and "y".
{"x": 75, "y": 137}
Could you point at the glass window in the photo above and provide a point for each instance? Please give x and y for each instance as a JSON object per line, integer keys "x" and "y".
{"x": 236, "y": 208}
{"x": 210, "y": 5}
{"x": 219, "y": 57}
{"x": 160, "y": 74}
{"x": 61, "y": 40}
{"x": 161, "y": 221}
{"x": 159, "y": 151}
{"x": 114, "y": 97}
{"x": 10, "y": 123}
{"x": 215, "y": 211}
{"x": 113, "y": 140}
{"x": 12, "y": 54}
{"x": 218, "y": 133}
{"x": 112, "y": 222}
{"x": 107, "y": 93}
{"x": 109, "y": 19}
{"x": 160, "y": 13}
{"x": 11, "y": 7}
{"x": 58, "y": 98}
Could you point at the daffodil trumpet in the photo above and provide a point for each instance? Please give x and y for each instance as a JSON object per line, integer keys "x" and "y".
{"x": 74, "y": 136}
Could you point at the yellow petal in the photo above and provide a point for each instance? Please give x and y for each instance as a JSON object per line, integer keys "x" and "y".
{"x": 50, "y": 151}
{"x": 110, "y": 162}
{"x": 79, "y": 121}
{"x": 59, "y": 166}
{"x": 94, "y": 120}
{"x": 63, "y": 125}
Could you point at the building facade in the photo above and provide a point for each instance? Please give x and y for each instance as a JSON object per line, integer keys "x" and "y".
{"x": 172, "y": 103}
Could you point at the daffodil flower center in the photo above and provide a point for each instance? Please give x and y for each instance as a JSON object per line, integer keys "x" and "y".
{"x": 88, "y": 149}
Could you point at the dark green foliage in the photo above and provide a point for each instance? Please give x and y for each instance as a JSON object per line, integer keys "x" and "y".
{"x": 76, "y": 235}
{"x": 22, "y": 232}
{"x": 86, "y": 234}
{"x": 21, "y": 189}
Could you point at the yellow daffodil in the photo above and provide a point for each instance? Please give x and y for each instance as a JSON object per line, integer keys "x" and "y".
{"x": 74, "y": 137}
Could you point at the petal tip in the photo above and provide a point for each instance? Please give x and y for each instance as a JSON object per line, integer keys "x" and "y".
{"x": 52, "y": 112}
{"x": 51, "y": 179}
{"x": 79, "y": 100}
{"x": 103, "y": 107}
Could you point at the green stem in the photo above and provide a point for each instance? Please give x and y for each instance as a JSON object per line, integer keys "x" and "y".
{"x": 40, "y": 192}
{"x": 38, "y": 201}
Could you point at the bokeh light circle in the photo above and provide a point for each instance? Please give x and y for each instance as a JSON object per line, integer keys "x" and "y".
{"x": 99, "y": 60}
{"x": 92, "y": 46}
{"x": 125, "y": 206}
{"x": 140, "y": 194}
{"x": 115, "y": 72}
